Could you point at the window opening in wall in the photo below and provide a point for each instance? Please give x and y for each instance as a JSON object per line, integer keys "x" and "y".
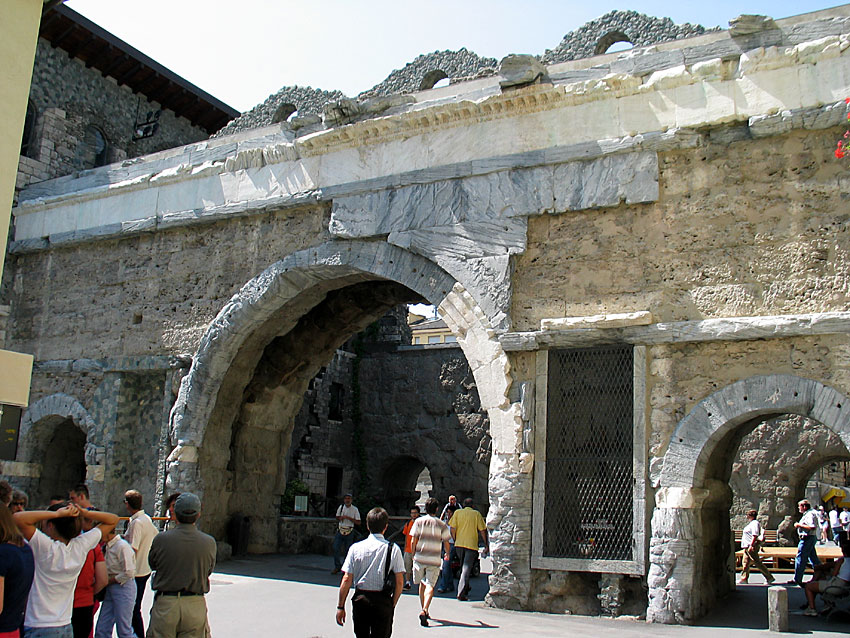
{"x": 613, "y": 42}
{"x": 434, "y": 339}
{"x": 333, "y": 489}
{"x": 27, "y": 145}
{"x": 589, "y": 504}
{"x": 335, "y": 405}
{"x": 432, "y": 78}
{"x": 63, "y": 461}
{"x": 284, "y": 112}
{"x": 424, "y": 485}
{"x": 99, "y": 147}
{"x": 589, "y": 446}
{"x": 10, "y": 426}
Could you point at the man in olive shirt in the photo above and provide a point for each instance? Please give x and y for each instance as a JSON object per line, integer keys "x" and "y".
{"x": 182, "y": 559}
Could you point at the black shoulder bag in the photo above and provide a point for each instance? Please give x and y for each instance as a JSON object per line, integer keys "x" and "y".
{"x": 389, "y": 577}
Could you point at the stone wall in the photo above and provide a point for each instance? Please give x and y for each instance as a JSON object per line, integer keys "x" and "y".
{"x": 305, "y": 535}
{"x": 68, "y": 98}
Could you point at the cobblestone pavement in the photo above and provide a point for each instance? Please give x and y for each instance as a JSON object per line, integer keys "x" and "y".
{"x": 295, "y": 596}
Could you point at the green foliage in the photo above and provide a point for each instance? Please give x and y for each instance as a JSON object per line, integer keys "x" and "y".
{"x": 294, "y": 488}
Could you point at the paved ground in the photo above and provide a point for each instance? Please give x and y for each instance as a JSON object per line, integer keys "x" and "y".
{"x": 295, "y": 597}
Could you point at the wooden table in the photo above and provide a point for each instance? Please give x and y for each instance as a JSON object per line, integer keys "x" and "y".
{"x": 781, "y": 559}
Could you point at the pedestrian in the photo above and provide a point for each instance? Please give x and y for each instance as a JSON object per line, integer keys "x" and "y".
{"x": 117, "y": 608}
{"x": 347, "y": 516}
{"x": 430, "y": 543}
{"x": 807, "y": 529}
{"x": 79, "y": 496}
{"x": 467, "y": 525}
{"x": 366, "y": 568}
{"x": 823, "y": 525}
{"x": 838, "y": 577}
{"x": 92, "y": 580}
{"x": 182, "y": 559}
{"x": 5, "y": 492}
{"x": 751, "y": 541}
{"x": 140, "y": 534}
{"x": 447, "y": 582}
{"x": 19, "y": 501}
{"x": 408, "y": 550}
{"x": 17, "y": 567}
{"x": 835, "y": 525}
{"x": 844, "y": 518}
{"x": 169, "y": 509}
{"x": 59, "y": 551}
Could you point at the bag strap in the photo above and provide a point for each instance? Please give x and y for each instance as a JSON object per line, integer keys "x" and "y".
{"x": 387, "y": 562}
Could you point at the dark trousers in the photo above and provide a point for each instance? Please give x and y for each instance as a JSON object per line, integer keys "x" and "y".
{"x": 372, "y": 614}
{"x": 138, "y": 625}
{"x": 82, "y": 621}
{"x": 467, "y": 560}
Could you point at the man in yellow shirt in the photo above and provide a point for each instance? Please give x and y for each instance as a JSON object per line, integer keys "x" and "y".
{"x": 467, "y": 525}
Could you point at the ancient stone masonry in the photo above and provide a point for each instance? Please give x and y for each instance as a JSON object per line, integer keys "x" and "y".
{"x": 636, "y": 28}
{"x": 678, "y": 204}
{"x": 69, "y": 98}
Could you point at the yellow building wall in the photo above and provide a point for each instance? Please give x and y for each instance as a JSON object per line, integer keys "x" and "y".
{"x": 19, "y": 21}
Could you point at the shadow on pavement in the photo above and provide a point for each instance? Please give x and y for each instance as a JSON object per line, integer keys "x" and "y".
{"x": 316, "y": 570}
{"x": 746, "y": 608}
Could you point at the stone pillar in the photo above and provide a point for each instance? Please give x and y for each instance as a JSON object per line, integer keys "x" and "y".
{"x": 777, "y": 608}
{"x": 611, "y": 594}
{"x": 674, "y": 556}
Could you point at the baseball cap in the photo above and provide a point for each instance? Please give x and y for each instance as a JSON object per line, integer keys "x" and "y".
{"x": 187, "y": 504}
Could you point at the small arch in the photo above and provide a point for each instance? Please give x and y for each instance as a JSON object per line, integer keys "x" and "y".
{"x": 431, "y": 78}
{"x": 609, "y": 40}
{"x": 97, "y": 145}
{"x": 283, "y": 112}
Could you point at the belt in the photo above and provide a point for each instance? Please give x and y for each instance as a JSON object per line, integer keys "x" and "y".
{"x": 177, "y": 593}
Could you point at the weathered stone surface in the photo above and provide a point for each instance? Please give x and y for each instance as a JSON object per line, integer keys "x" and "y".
{"x": 777, "y": 608}
{"x": 747, "y": 24}
{"x": 520, "y": 70}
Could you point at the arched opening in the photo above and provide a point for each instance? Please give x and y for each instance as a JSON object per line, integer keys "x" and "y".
{"x": 63, "y": 464}
{"x": 283, "y": 112}
{"x": 234, "y": 419}
{"x": 97, "y": 147}
{"x": 424, "y": 486}
{"x": 692, "y": 557}
{"x": 613, "y": 41}
{"x": 432, "y": 78}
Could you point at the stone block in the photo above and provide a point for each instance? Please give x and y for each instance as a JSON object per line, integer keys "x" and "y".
{"x": 777, "y": 609}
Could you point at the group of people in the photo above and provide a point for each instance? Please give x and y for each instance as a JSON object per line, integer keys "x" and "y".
{"x": 378, "y": 572}
{"x": 58, "y": 565}
{"x": 809, "y": 531}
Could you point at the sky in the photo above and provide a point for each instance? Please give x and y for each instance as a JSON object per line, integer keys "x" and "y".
{"x": 242, "y": 51}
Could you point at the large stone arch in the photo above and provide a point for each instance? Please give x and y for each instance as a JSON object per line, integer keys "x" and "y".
{"x": 274, "y": 305}
{"x": 690, "y": 528}
{"x": 44, "y": 414}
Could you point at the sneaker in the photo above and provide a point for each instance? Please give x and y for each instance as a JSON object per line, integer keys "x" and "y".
{"x": 810, "y": 612}
{"x": 741, "y": 581}
{"x": 771, "y": 580}
{"x": 406, "y": 586}
{"x": 423, "y": 619}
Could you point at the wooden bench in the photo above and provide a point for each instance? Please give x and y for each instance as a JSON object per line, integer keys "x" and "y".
{"x": 771, "y": 536}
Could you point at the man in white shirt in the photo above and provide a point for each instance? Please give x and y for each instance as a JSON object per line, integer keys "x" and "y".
{"x": 844, "y": 518}
{"x": 751, "y": 539}
{"x": 365, "y": 567}
{"x": 347, "y": 516}
{"x": 140, "y": 534}
{"x": 835, "y": 525}
{"x": 117, "y": 608}
{"x": 808, "y": 528}
{"x": 59, "y": 552}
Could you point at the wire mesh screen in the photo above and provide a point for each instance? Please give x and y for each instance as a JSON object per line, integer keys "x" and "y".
{"x": 589, "y": 438}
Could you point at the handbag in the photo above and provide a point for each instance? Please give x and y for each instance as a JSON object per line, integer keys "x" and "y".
{"x": 389, "y": 577}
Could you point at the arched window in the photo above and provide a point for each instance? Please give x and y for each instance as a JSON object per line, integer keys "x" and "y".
{"x": 27, "y": 145}
{"x": 610, "y": 42}
{"x": 283, "y": 112}
{"x": 431, "y": 78}
{"x": 98, "y": 146}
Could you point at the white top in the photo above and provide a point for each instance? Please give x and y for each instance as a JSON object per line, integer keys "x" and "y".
{"x": 844, "y": 517}
{"x": 57, "y": 567}
{"x": 351, "y": 511}
{"x": 366, "y": 561}
{"x": 809, "y": 519}
{"x": 120, "y": 560}
{"x": 140, "y": 534}
{"x": 751, "y": 531}
{"x": 833, "y": 518}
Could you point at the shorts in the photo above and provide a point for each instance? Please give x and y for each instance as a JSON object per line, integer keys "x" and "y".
{"x": 428, "y": 574}
{"x": 835, "y": 581}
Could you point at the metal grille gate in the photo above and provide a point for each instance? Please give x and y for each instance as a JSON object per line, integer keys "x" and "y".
{"x": 589, "y": 454}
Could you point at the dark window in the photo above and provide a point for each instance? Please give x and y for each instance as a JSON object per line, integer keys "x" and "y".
{"x": 98, "y": 146}
{"x": 589, "y": 454}
{"x": 27, "y": 141}
{"x": 335, "y": 407}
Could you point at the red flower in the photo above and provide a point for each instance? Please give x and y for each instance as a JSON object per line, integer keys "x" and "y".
{"x": 839, "y": 153}
{"x": 847, "y": 100}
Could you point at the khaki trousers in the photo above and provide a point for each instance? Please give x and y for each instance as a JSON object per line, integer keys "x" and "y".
{"x": 179, "y": 617}
{"x": 752, "y": 559}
